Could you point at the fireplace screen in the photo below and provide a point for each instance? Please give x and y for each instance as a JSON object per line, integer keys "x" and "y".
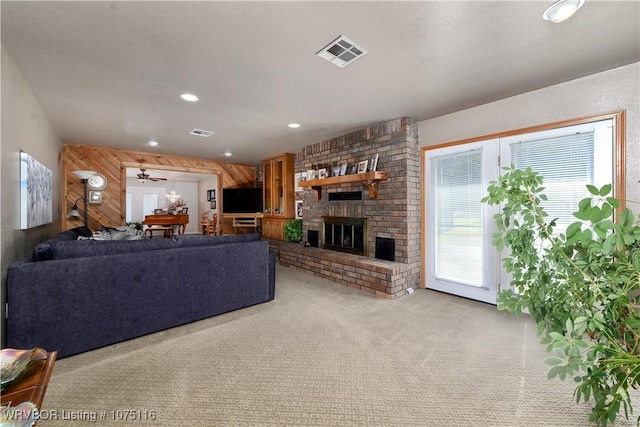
{"x": 345, "y": 234}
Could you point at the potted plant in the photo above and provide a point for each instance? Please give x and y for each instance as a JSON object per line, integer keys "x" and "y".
{"x": 293, "y": 230}
{"x": 581, "y": 286}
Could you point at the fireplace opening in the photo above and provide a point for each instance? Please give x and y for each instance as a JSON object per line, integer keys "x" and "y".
{"x": 344, "y": 234}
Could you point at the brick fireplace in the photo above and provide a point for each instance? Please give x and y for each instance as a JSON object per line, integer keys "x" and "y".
{"x": 344, "y": 234}
{"x": 393, "y": 216}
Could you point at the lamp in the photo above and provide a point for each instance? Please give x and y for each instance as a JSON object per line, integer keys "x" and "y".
{"x": 561, "y": 10}
{"x": 73, "y": 212}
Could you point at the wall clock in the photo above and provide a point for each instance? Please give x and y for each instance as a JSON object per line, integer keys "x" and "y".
{"x": 97, "y": 182}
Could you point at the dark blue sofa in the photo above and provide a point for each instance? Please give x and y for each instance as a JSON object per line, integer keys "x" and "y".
{"x": 77, "y": 295}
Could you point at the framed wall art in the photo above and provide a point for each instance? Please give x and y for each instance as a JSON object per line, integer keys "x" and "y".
{"x": 36, "y": 192}
{"x": 95, "y": 197}
{"x": 298, "y": 209}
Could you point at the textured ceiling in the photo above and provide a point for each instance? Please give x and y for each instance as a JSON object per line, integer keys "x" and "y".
{"x": 109, "y": 73}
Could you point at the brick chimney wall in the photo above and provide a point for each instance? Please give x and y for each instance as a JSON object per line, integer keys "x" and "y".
{"x": 395, "y": 213}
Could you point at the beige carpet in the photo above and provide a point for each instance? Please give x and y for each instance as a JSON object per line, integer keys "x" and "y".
{"x": 321, "y": 354}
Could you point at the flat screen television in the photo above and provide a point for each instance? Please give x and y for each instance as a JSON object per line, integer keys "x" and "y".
{"x": 241, "y": 200}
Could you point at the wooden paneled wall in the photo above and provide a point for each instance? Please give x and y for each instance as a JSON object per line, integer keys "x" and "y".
{"x": 112, "y": 163}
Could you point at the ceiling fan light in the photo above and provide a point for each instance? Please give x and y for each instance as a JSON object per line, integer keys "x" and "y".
{"x": 153, "y": 143}
{"x": 561, "y": 10}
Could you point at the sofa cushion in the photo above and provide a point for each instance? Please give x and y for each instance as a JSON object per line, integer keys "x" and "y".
{"x": 208, "y": 240}
{"x": 89, "y": 248}
{"x": 43, "y": 251}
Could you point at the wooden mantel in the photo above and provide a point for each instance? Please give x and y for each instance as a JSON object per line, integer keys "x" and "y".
{"x": 369, "y": 178}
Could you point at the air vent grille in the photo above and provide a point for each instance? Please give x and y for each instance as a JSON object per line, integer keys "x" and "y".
{"x": 341, "y": 52}
{"x": 201, "y": 132}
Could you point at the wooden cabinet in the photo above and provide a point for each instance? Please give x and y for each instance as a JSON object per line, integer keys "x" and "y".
{"x": 273, "y": 228}
{"x": 279, "y": 203}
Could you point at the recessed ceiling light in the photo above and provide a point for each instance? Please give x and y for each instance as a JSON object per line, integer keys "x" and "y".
{"x": 561, "y": 10}
{"x": 153, "y": 143}
{"x": 189, "y": 97}
{"x": 228, "y": 153}
{"x": 294, "y": 125}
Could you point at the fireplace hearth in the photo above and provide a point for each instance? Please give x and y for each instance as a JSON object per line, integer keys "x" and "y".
{"x": 344, "y": 234}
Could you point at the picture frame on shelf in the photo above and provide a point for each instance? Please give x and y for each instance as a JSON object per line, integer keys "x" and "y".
{"x": 373, "y": 165}
{"x": 158, "y": 211}
{"x": 184, "y": 210}
{"x": 171, "y": 211}
{"x": 354, "y": 169}
{"x": 311, "y": 174}
{"x": 297, "y": 177}
{"x": 322, "y": 173}
{"x": 362, "y": 166}
{"x": 299, "y": 205}
{"x": 343, "y": 169}
{"x": 95, "y": 197}
{"x": 335, "y": 171}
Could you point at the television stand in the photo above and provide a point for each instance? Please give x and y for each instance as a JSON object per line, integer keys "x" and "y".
{"x": 244, "y": 220}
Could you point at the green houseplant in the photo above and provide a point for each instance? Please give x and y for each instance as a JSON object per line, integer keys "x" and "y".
{"x": 293, "y": 230}
{"x": 581, "y": 287}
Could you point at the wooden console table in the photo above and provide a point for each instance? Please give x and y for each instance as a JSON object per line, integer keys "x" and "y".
{"x": 32, "y": 386}
{"x": 244, "y": 220}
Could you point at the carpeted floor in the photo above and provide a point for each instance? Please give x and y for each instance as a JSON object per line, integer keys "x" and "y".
{"x": 322, "y": 354}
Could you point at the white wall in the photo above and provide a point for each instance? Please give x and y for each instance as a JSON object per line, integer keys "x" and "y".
{"x": 24, "y": 127}
{"x": 188, "y": 190}
{"x": 617, "y": 89}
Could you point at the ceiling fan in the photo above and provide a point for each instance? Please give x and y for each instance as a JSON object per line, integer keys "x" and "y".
{"x": 144, "y": 177}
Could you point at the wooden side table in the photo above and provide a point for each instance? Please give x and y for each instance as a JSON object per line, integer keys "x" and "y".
{"x": 33, "y": 385}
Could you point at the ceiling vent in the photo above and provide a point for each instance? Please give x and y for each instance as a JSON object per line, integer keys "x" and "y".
{"x": 341, "y": 52}
{"x": 201, "y": 132}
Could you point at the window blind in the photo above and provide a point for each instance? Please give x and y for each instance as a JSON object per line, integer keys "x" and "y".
{"x": 567, "y": 165}
{"x": 456, "y": 183}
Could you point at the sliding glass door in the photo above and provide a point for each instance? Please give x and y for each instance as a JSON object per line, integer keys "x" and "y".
{"x": 460, "y": 259}
{"x": 459, "y": 256}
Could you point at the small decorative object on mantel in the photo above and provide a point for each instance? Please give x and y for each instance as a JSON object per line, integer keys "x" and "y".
{"x": 297, "y": 177}
{"x": 362, "y": 166}
{"x": 311, "y": 174}
{"x": 373, "y": 165}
